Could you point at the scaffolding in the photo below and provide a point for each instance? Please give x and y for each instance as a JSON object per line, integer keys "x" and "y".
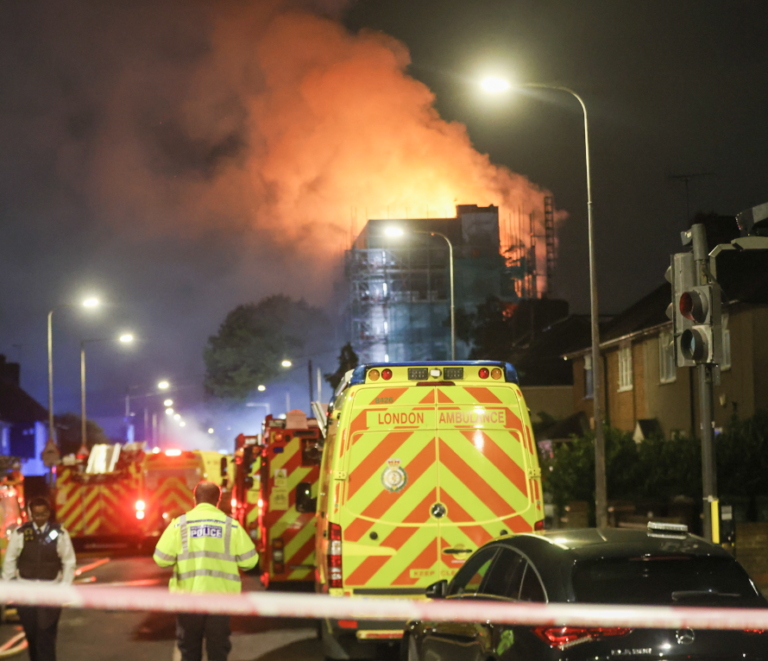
{"x": 398, "y": 303}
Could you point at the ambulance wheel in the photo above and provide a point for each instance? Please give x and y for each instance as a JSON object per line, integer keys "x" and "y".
{"x": 342, "y": 648}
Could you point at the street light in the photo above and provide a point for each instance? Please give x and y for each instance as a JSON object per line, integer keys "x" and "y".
{"x": 286, "y": 363}
{"x": 261, "y": 388}
{"x": 87, "y": 303}
{"x": 168, "y": 402}
{"x": 163, "y": 385}
{"x": 601, "y": 492}
{"x": 398, "y": 232}
{"x": 125, "y": 338}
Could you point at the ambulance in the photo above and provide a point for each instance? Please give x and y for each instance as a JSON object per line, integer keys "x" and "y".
{"x": 422, "y": 464}
{"x": 289, "y": 469}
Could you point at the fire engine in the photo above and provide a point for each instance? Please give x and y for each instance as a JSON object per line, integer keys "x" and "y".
{"x": 12, "y": 513}
{"x": 126, "y": 495}
{"x": 270, "y": 470}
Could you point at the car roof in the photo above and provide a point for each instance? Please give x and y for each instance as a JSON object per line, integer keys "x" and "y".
{"x": 592, "y": 543}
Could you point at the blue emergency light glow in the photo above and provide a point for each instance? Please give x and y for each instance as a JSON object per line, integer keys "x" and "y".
{"x": 510, "y": 374}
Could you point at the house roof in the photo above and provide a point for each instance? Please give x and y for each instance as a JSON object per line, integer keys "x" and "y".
{"x": 17, "y": 406}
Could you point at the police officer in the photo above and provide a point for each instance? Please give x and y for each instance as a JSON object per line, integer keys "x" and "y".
{"x": 40, "y": 551}
{"x": 205, "y": 548}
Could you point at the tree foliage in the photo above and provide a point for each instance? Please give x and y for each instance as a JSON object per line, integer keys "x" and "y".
{"x": 348, "y": 360}
{"x": 253, "y": 340}
{"x": 69, "y": 432}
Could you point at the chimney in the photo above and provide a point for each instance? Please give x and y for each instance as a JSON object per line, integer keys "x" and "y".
{"x": 10, "y": 371}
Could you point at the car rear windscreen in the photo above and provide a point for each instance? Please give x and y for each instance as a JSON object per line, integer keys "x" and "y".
{"x": 670, "y": 580}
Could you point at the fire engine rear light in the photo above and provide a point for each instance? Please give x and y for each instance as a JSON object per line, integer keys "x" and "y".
{"x": 233, "y": 503}
{"x": 496, "y": 373}
{"x": 140, "y": 514}
{"x": 386, "y": 374}
{"x": 140, "y": 506}
{"x": 565, "y": 637}
{"x": 261, "y": 503}
{"x": 373, "y": 375}
{"x": 278, "y": 556}
{"x": 484, "y": 373}
{"x": 173, "y": 453}
{"x": 539, "y": 525}
{"x": 335, "y": 573}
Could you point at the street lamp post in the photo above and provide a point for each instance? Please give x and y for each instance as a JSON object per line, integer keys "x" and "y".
{"x": 601, "y": 495}
{"x": 87, "y": 303}
{"x": 397, "y": 231}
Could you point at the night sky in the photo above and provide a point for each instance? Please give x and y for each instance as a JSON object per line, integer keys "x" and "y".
{"x": 140, "y": 160}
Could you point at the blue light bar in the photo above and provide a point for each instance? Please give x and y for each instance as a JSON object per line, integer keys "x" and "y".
{"x": 510, "y": 373}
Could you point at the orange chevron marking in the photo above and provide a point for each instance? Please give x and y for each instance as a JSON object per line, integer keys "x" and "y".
{"x": 474, "y": 481}
{"x": 425, "y": 560}
{"x": 360, "y": 423}
{"x": 429, "y": 398}
{"x": 442, "y": 398}
{"x": 375, "y": 460}
{"x": 511, "y": 469}
{"x": 456, "y": 512}
{"x": 366, "y": 569}
{"x": 483, "y": 395}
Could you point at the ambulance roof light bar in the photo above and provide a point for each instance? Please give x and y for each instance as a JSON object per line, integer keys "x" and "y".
{"x": 510, "y": 374}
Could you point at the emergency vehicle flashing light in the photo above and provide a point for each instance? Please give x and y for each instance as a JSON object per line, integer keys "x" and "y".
{"x": 173, "y": 453}
{"x": 140, "y": 505}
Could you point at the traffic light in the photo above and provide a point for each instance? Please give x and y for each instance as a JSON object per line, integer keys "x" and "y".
{"x": 680, "y": 275}
{"x": 702, "y": 342}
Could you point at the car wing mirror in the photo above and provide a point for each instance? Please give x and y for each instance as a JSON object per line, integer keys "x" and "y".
{"x": 437, "y": 590}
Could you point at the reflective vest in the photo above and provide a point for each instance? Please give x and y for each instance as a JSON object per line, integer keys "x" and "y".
{"x": 39, "y": 559}
{"x": 205, "y": 548}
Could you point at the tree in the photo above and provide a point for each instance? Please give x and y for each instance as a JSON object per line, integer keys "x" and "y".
{"x": 253, "y": 340}
{"x": 69, "y": 431}
{"x": 348, "y": 360}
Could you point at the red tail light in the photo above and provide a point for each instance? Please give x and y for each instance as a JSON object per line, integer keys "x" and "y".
{"x": 278, "y": 556}
{"x": 565, "y": 637}
{"x": 484, "y": 373}
{"x": 386, "y": 374}
{"x": 335, "y": 575}
{"x": 539, "y": 525}
{"x": 348, "y": 624}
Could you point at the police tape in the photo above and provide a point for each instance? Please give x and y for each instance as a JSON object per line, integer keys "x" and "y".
{"x": 266, "y": 604}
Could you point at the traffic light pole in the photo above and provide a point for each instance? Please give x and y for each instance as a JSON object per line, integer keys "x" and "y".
{"x": 704, "y": 373}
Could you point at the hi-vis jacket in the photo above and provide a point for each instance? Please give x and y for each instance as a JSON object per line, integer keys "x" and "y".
{"x": 206, "y": 547}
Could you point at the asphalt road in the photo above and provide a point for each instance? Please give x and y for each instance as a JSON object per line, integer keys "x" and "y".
{"x": 131, "y": 636}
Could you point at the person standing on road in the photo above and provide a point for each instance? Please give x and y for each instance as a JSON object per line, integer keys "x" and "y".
{"x": 205, "y": 547}
{"x": 40, "y": 551}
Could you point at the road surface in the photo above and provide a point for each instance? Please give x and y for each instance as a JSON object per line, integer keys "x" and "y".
{"x": 130, "y": 636}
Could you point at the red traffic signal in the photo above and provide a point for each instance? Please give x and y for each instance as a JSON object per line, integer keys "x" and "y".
{"x": 695, "y": 304}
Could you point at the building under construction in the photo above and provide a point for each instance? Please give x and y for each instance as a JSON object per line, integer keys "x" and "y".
{"x": 398, "y": 305}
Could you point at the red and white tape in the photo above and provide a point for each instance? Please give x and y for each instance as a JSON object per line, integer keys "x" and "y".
{"x": 265, "y": 604}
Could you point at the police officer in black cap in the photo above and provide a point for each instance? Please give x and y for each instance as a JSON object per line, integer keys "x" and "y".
{"x": 40, "y": 551}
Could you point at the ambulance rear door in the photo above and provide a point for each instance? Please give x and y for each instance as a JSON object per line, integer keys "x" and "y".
{"x": 487, "y": 467}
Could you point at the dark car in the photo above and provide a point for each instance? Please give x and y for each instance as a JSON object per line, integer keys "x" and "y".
{"x": 592, "y": 566}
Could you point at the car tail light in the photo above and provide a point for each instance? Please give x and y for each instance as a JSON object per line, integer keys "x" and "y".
{"x": 565, "y": 637}
{"x": 386, "y": 374}
{"x": 335, "y": 574}
{"x": 348, "y": 624}
{"x": 539, "y": 525}
{"x": 754, "y": 631}
{"x": 484, "y": 373}
{"x": 278, "y": 556}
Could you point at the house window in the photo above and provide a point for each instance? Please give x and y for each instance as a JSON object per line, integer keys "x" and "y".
{"x": 726, "y": 364}
{"x": 667, "y": 366}
{"x": 589, "y": 381}
{"x": 625, "y": 368}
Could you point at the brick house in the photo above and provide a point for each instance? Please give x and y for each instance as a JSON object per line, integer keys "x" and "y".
{"x": 645, "y": 391}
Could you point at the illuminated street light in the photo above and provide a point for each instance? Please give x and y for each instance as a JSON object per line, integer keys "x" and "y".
{"x": 88, "y": 303}
{"x": 177, "y": 416}
{"x": 495, "y": 85}
{"x": 601, "y": 495}
{"x": 168, "y": 402}
{"x": 163, "y": 385}
{"x": 286, "y": 363}
{"x": 169, "y": 411}
{"x": 210, "y": 430}
{"x": 182, "y": 423}
{"x": 394, "y": 231}
{"x": 261, "y": 388}
{"x": 126, "y": 338}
